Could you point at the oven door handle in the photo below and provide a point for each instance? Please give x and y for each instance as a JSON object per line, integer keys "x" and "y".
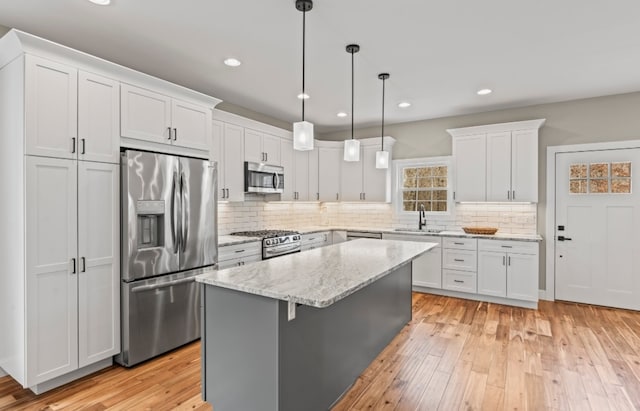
{"x": 142, "y": 288}
{"x": 280, "y": 250}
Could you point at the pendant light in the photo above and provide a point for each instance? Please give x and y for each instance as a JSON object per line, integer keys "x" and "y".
{"x": 352, "y": 146}
{"x": 382, "y": 157}
{"x": 303, "y": 130}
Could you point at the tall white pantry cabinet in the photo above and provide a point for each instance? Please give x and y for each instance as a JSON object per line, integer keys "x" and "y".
{"x": 60, "y": 236}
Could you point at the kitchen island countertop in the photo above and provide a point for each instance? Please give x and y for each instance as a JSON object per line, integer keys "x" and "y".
{"x": 319, "y": 277}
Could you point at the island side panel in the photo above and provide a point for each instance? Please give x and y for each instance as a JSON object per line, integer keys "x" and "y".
{"x": 324, "y": 350}
{"x": 240, "y": 338}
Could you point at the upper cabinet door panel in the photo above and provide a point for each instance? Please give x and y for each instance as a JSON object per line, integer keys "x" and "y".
{"x": 499, "y": 166}
{"x": 51, "y": 108}
{"x": 375, "y": 180}
{"x": 253, "y": 146}
{"x": 524, "y": 165}
{"x": 233, "y": 166}
{"x": 98, "y": 118}
{"x": 330, "y": 161}
{"x": 191, "y": 124}
{"x": 313, "y": 175}
{"x": 288, "y": 161}
{"x": 299, "y": 173}
{"x": 145, "y": 115}
{"x": 470, "y": 159}
{"x": 351, "y": 180}
{"x": 271, "y": 148}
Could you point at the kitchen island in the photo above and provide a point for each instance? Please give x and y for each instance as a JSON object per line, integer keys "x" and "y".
{"x": 294, "y": 332}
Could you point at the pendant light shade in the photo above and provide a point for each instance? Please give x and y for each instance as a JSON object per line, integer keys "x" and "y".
{"x": 303, "y": 130}
{"x": 352, "y": 146}
{"x": 382, "y": 157}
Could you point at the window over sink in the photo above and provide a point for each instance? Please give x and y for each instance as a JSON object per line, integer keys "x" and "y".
{"x": 423, "y": 182}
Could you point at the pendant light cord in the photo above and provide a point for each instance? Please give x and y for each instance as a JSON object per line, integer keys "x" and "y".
{"x": 352, "y": 88}
{"x": 304, "y": 31}
{"x": 383, "y": 80}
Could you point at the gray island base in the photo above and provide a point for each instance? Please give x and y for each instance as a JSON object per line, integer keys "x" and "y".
{"x": 259, "y": 355}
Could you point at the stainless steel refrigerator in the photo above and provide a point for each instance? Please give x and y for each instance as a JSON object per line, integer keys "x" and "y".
{"x": 168, "y": 229}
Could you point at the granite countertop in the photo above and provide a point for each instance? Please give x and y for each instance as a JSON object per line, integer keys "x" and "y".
{"x": 319, "y": 277}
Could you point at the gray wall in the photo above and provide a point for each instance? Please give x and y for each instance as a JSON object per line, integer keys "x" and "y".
{"x": 241, "y": 111}
{"x": 609, "y": 118}
{"x": 3, "y": 30}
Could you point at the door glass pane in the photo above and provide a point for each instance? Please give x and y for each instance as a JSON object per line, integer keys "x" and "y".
{"x": 598, "y": 186}
{"x": 621, "y": 185}
{"x": 599, "y": 170}
{"x": 578, "y": 186}
{"x": 621, "y": 169}
{"x": 578, "y": 171}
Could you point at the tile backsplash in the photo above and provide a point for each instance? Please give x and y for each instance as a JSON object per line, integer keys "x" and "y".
{"x": 257, "y": 214}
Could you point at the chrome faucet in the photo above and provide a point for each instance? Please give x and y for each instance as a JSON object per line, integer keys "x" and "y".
{"x": 422, "y": 218}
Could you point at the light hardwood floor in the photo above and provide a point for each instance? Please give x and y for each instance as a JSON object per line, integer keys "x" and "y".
{"x": 454, "y": 354}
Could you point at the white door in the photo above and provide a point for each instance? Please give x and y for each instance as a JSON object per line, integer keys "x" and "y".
{"x": 499, "y": 166}
{"x": 329, "y": 165}
{"x": 99, "y": 262}
{"x": 375, "y": 181}
{"x": 492, "y": 273}
{"x": 301, "y": 168}
{"x": 271, "y": 148}
{"x": 351, "y": 180}
{"x": 253, "y": 146}
{"x": 51, "y": 108}
{"x": 598, "y": 261}
{"x": 313, "y": 175}
{"x": 98, "y": 118}
{"x": 233, "y": 165}
{"x": 524, "y": 165}
{"x": 469, "y": 154}
{"x": 191, "y": 125}
{"x": 522, "y": 276}
{"x": 145, "y": 115}
{"x": 52, "y": 267}
{"x": 291, "y": 176}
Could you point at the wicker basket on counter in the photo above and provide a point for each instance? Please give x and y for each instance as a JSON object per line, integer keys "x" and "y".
{"x": 480, "y": 230}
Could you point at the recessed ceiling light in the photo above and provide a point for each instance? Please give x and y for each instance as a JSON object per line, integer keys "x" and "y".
{"x": 342, "y": 114}
{"x": 231, "y": 62}
{"x": 303, "y": 96}
{"x": 101, "y": 2}
{"x": 404, "y": 104}
{"x": 484, "y": 91}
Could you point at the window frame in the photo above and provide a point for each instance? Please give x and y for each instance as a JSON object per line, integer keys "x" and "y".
{"x": 399, "y": 165}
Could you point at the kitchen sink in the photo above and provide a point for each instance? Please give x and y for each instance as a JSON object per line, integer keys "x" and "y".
{"x": 415, "y": 230}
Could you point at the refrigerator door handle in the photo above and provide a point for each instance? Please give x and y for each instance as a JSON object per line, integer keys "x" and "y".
{"x": 184, "y": 232}
{"x": 173, "y": 212}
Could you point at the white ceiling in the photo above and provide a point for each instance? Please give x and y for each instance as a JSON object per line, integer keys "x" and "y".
{"x": 439, "y": 53}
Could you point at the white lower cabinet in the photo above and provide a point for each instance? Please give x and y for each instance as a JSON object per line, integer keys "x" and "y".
{"x": 72, "y": 266}
{"x": 426, "y": 269}
{"x": 239, "y": 254}
{"x": 338, "y": 236}
{"x": 508, "y": 269}
{"x": 315, "y": 240}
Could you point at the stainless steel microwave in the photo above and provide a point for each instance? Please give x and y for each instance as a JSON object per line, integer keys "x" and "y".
{"x": 263, "y": 178}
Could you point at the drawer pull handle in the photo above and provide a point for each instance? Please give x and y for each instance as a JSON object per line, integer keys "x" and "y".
{"x": 458, "y": 243}
{"x": 458, "y": 281}
{"x": 507, "y": 246}
{"x": 240, "y": 251}
{"x": 459, "y": 260}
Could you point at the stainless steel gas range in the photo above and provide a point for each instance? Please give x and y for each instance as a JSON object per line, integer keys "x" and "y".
{"x": 275, "y": 242}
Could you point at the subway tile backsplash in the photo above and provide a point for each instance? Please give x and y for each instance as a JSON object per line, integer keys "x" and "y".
{"x": 257, "y": 214}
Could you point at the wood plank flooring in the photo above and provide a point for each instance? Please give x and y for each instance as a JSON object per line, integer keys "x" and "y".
{"x": 454, "y": 355}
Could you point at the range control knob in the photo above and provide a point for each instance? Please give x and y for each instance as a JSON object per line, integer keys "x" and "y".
{"x": 268, "y": 242}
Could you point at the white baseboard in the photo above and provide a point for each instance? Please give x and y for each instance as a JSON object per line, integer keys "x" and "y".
{"x": 544, "y": 296}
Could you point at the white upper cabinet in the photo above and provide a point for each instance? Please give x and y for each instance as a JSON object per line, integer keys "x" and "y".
{"x": 290, "y": 174}
{"x": 227, "y": 149}
{"x": 497, "y": 162}
{"x": 261, "y": 147}
{"x": 301, "y": 177}
{"x": 351, "y": 179}
{"x": 191, "y": 125}
{"x": 469, "y": 153}
{"x": 329, "y": 164}
{"x": 313, "y": 158}
{"x": 376, "y": 182}
{"x": 157, "y": 118}
{"x": 51, "y": 108}
{"x": 98, "y": 118}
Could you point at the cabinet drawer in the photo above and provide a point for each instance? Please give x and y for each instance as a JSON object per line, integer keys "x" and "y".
{"x": 459, "y": 281}
{"x": 460, "y": 243}
{"x": 320, "y": 239}
{"x": 464, "y": 260}
{"x": 237, "y": 262}
{"x": 239, "y": 251}
{"x": 508, "y": 246}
